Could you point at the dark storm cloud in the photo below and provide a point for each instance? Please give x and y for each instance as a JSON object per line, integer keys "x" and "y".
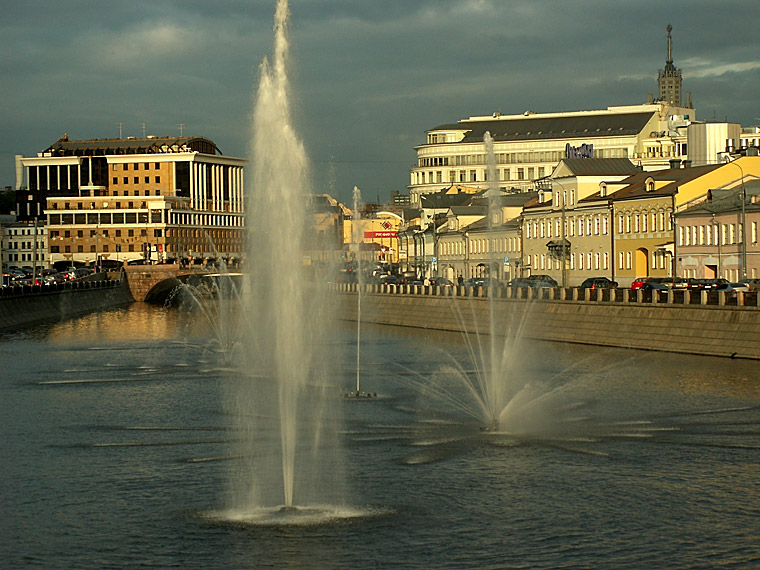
{"x": 369, "y": 76}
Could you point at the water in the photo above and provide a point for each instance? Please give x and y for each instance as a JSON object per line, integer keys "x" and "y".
{"x": 117, "y": 444}
{"x": 279, "y": 392}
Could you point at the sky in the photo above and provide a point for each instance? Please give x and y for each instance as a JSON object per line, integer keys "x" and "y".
{"x": 369, "y": 77}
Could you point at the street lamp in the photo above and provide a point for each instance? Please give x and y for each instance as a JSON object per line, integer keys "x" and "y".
{"x": 562, "y": 232}
{"x": 467, "y": 254}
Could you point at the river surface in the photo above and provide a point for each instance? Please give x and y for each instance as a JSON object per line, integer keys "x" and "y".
{"x": 116, "y": 445}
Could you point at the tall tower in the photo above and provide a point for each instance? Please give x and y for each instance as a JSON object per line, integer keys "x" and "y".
{"x": 669, "y": 79}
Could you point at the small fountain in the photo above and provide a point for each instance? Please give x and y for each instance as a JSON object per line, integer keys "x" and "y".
{"x": 360, "y": 278}
{"x": 492, "y": 393}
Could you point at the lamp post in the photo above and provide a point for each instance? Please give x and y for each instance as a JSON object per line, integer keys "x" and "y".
{"x": 743, "y": 195}
{"x": 562, "y": 232}
{"x": 467, "y": 254}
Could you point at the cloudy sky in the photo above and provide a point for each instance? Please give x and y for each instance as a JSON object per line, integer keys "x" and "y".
{"x": 369, "y": 76}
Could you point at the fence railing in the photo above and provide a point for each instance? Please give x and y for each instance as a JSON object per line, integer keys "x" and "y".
{"x": 27, "y": 290}
{"x": 688, "y": 297}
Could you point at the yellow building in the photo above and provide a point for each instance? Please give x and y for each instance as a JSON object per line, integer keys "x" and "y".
{"x": 645, "y": 244}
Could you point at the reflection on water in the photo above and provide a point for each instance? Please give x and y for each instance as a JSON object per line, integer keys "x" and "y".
{"x": 116, "y": 449}
{"x": 138, "y": 321}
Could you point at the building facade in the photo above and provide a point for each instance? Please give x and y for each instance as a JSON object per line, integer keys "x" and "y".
{"x": 152, "y": 199}
{"x": 710, "y": 238}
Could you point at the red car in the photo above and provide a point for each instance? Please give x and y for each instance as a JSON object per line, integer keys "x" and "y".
{"x": 639, "y": 282}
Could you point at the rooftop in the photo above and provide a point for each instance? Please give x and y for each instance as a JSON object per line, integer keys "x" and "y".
{"x": 130, "y": 145}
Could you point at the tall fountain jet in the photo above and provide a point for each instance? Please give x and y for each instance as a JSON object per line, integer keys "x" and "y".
{"x": 283, "y": 397}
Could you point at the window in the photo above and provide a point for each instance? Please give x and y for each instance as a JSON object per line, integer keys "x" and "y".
{"x": 137, "y": 179}
{"x": 126, "y": 180}
{"x": 115, "y": 180}
{"x": 147, "y": 178}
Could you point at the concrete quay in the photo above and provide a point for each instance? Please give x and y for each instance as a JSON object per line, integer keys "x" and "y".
{"x": 716, "y": 324}
{"x": 24, "y": 306}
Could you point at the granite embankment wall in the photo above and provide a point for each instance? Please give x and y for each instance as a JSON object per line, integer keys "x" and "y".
{"x": 39, "y": 304}
{"x": 717, "y": 330}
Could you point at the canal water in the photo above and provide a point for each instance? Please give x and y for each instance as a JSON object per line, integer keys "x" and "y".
{"x": 116, "y": 446}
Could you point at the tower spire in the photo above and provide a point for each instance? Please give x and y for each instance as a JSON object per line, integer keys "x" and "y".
{"x": 670, "y": 45}
{"x": 669, "y": 79}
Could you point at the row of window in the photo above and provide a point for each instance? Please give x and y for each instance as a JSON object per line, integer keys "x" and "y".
{"x": 136, "y": 166}
{"x": 93, "y": 205}
{"x": 23, "y": 231}
{"x": 479, "y": 246}
{"x": 715, "y": 234}
{"x": 106, "y": 218}
{"x": 643, "y": 222}
{"x": 503, "y": 174}
{"x": 553, "y": 156}
{"x": 640, "y": 222}
{"x": 135, "y": 180}
{"x": 23, "y": 245}
{"x": 67, "y": 234}
{"x": 577, "y": 261}
{"x": 25, "y": 257}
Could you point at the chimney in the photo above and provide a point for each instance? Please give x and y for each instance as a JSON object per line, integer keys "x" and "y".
{"x": 675, "y": 163}
{"x": 686, "y": 163}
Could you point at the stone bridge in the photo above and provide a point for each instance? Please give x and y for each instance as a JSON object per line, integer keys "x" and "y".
{"x": 154, "y": 282}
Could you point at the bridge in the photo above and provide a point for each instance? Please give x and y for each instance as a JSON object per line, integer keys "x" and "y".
{"x": 153, "y": 283}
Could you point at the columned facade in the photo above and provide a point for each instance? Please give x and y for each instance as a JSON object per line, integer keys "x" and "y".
{"x": 128, "y": 200}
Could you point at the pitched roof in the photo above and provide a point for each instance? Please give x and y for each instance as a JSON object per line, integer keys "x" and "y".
{"x": 636, "y": 185}
{"x": 571, "y": 126}
{"x": 598, "y": 166}
{"x": 516, "y": 199}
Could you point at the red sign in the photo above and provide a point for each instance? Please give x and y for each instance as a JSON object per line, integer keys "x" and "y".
{"x": 376, "y": 235}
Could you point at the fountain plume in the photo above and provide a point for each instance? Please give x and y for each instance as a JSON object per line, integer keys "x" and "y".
{"x": 282, "y": 400}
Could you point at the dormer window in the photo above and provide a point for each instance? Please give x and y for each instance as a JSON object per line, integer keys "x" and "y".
{"x": 603, "y": 189}
{"x": 650, "y": 185}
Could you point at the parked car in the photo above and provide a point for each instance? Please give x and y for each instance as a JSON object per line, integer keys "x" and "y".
{"x": 475, "y": 282}
{"x": 731, "y": 287}
{"x": 709, "y": 284}
{"x": 752, "y": 283}
{"x": 665, "y": 283}
{"x": 390, "y": 280}
{"x": 520, "y": 283}
{"x": 441, "y": 282}
{"x": 598, "y": 283}
{"x": 655, "y": 285}
{"x": 638, "y": 282}
{"x": 543, "y": 281}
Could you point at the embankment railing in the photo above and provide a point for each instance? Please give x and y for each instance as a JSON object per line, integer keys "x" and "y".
{"x": 750, "y": 300}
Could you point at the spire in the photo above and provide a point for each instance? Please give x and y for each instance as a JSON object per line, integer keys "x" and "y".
{"x": 670, "y": 46}
{"x": 669, "y": 78}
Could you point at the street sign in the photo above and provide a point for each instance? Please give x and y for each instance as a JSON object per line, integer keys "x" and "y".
{"x": 506, "y": 261}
